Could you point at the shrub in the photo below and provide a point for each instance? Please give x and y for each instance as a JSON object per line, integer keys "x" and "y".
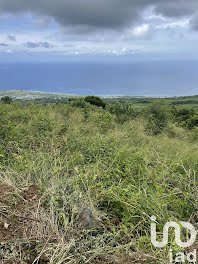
{"x": 95, "y": 100}
{"x": 77, "y": 102}
{"x": 123, "y": 112}
{"x": 6, "y": 100}
{"x": 192, "y": 122}
{"x": 157, "y": 118}
{"x": 184, "y": 114}
{"x": 173, "y": 113}
{"x": 194, "y": 134}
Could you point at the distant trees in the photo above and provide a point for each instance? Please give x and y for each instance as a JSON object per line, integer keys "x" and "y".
{"x": 83, "y": 102}
{"x": 95, "y": 100}
{"x": 6, "y": 100}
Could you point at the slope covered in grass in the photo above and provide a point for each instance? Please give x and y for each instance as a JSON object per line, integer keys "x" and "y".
{"x": 85, "y": 158}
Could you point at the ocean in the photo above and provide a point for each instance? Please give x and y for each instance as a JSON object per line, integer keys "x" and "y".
{"x": 140, "y": 78}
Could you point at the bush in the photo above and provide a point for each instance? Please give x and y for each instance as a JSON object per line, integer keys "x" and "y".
{"x": 184, "y": 114}
{"x": 6, "y": 100}
{"x": 157, "y": 118}
{"x": 194, "y": 134}
{"x": 192, "y": 122}
{"x": 95, "y": 100}
{"x": 77, "y": 102}
{"x": 123, "y": 112}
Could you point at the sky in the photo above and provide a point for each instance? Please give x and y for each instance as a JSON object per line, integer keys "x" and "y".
{"x": 47, "y": 30}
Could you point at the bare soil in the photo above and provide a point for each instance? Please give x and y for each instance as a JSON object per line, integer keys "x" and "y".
{"x": 16, "y": 224}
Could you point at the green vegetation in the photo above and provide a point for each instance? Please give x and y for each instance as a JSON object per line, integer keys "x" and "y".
{"x": 95, "y": 100}
{"x": 126, "y": 163}
{"x": 6, "y": 100}
{"x": 157, "y": 118}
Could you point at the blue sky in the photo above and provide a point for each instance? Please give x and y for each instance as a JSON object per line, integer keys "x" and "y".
{"x": 60, "y": 30}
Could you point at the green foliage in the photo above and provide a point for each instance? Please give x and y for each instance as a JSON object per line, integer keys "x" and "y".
{"x": 123, "y": 111}
{"x": 88, "y": 157}
{"x": 6, "y": 100}
{"x": 194, "y": 134}
{"x": 95, "y": 100}
{"x": 184, "y": 114}
{"x": 77, "y": 102}
{"x": 157, "y": 118}
{"x": 192, "y": 122}
{"x": 173, "y": 112}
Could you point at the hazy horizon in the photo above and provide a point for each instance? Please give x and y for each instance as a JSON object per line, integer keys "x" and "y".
{"x": 139, "y": 78}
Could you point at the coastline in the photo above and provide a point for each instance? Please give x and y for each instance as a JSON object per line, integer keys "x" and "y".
{"x": 40, "y": 94}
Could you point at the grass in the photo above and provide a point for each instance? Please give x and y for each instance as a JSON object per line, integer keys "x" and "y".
{"x": 85, "y": 158}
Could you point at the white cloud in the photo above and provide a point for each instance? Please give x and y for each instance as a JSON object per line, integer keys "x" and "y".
{"x": 180, "y": 23}
{"x": 154, "y": 17}
{"x": 45, "y": 36}
{"x": 141, "y": 32}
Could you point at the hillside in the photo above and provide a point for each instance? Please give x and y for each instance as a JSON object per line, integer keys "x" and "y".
{"x": 122, "y": 164}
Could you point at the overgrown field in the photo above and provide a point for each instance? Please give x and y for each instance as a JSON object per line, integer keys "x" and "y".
{"x": 123, "y": 163}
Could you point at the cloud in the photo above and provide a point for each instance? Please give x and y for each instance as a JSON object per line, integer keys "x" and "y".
{"x": 97, "y": 14}
{"x": 42, "y": 21}
{"x": 194, "y": 22}
{"x": 142, "y": 32}
{"x": 179, "y": 23}
{"x": 38, "y": 45}
{"x": 176, "y": 8}
{"x": 94, "y": 13}
{"x": 11, "y": 37}
{"x": 3, "y": 45}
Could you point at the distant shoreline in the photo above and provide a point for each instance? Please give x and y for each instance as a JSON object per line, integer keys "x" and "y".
{"x": 41, "y": 94}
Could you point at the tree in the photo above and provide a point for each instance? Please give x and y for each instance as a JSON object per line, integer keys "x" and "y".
{"x": 95, "y": 100}
{"x": 6, "y": 100}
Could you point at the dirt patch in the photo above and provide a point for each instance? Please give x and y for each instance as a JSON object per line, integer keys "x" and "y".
{"x": 5, "y": 191}
{"x": 16, "y": 210}
{"x": 18, "y": 219}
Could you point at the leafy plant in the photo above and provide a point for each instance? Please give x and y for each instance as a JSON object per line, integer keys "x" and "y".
{"x": 192, "y": 122}
{"x": 157, "y": 118}
{"x": 95, "y": 100}
{"x": 6, "y": 100}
